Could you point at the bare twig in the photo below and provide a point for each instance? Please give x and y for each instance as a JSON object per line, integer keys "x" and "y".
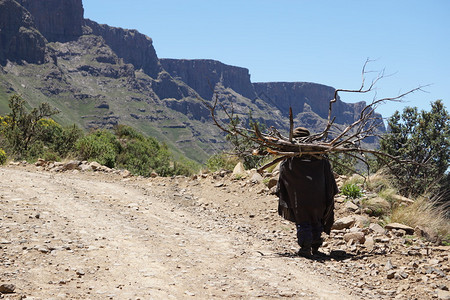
{"x": 345, "y": 140}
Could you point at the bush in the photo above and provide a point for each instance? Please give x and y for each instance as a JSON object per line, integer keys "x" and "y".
{"x": 3, "y": 157}
{"x": 124, "y": 131}
{"x": 351, "y": 190}
{"x": 21, "y": 128}
{"x": 221, "y": 161}
{"x": 244, "y": 147}
{"x": 51, "y": 156}
{"x": 143, "y": 155}
{"x": 66, "y": 142}
{"x": 101, "y": 146}
{"x": 424, "y": 138}
{"x": 60, "y": 140}
{"x": 185, "y": 167}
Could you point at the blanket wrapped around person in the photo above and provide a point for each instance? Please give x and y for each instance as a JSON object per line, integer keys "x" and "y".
{"x": 306, "y": 189}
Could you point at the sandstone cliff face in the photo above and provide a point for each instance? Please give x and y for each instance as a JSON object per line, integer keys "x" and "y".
{"x": 135, "y": 48}
{"x": 116, "y": 75}
{"x": 304, "y": 96}
{"x": 19, "y": 39}
{"x": 203, "y": 75}
{"x": 57, "y": 20}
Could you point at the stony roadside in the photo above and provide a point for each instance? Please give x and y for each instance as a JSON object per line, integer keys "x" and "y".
{"x": 82, "y": 231}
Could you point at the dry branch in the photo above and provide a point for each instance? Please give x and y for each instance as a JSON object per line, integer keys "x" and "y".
{"x": 346, "y": 141}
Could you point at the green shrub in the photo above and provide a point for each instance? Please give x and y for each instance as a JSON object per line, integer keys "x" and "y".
{"x": 351, "y": 190}
{"x": 424, "y": 138}
{"x": 184, "y": 167}
{"x": 124, "y": 131}
{"x": 141, "y": 157}
{"x": 220, "y": 161}
{"x": 21, "y": 128}
{"x": 50, "y": 156}
{"x": 35, "y": 151}
{"x": 101, "y": 146}
{"x": 61, "y": 140}
{"x": 3, "y": 157}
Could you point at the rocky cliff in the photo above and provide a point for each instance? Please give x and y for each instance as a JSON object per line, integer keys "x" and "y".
{"x": 19, "y": 38}
{"x": 135, "y": 48}
{"x": 57, "y": 20}
{"x": 99, "y": 76}
{"x": 203, "y": 75}
{"x": 307, "y": 96}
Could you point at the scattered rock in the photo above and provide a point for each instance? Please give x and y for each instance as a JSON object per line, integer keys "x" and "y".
{"x": 7, "y": 288}
{"x": 126, "y": 174}
{"x": 426, "y": 233}
{"x": 407, "y": 229}
{"x": 388, "y": 265}
{"x": 350, "y": 206}
{"x": 377, "y": 206}
{"x": 356, "y": 236}
{"x": 390, "y": 274}
{"x": 361, "y": 221}
{"x": 343, "y": 223}
{"x": 376, "y": 228}
{"x": 402, "y": 199}
{"x": 256, "y": 177}
{"x": 71, "y": 165}
{"x": 445, "y": 295}
{"x": 272, "y": 182}
{"x": 369, "y": 243}
{"x": 95, "y": 166}
{"x": 239, "y": 170}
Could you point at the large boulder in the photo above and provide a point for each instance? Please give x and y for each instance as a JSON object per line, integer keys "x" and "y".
{"x": 239, "y": 170}
{"x": 344, "y": 223}
{"x": 399, "y": 226}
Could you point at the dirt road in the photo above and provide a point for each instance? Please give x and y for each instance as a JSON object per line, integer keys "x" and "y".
{"x": 100, "y": 236}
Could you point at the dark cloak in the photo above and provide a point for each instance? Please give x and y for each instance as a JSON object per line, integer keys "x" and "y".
{"x": 306, "y": 189}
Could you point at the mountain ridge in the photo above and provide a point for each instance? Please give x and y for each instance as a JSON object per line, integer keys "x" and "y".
{"x": 99, "y": 76}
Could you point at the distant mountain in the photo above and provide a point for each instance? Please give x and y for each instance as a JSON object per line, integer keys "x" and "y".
{"x": 100, "y": 76}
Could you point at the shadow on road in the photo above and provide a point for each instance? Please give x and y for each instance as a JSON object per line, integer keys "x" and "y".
{"x": 336, "y": 255}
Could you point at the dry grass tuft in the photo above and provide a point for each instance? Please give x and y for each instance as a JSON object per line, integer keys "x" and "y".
{"x": 424, "y": 212}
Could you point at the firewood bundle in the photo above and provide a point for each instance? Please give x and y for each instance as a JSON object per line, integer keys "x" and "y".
{"x": 333, "y": 139}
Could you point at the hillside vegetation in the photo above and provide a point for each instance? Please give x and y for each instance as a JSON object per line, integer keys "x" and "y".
{"x": 100, "y": 76}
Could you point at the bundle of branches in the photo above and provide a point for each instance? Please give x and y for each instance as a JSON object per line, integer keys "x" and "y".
{"x": 333, "y": 139}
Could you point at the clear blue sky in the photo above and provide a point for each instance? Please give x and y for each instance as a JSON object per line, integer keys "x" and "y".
{"x": 319, "y": 41}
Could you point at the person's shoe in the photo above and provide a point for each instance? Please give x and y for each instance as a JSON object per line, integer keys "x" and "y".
{"x": 305, "y": 252}
{"x": 317, "y": 253}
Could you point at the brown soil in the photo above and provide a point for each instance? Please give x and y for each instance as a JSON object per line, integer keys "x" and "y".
{"x": 86, "y": 235}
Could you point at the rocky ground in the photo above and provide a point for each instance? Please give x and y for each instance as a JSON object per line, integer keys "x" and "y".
{"x": 82, "y": 231}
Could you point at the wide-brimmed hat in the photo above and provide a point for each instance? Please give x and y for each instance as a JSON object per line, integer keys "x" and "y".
{"x": 301, "y": 132}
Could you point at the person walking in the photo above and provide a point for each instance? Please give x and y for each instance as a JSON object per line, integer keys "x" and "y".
{"x": 306, "y": 190}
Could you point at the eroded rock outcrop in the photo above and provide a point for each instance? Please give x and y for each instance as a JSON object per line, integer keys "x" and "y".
{"x": 135, "y": 48}
{"x": 19, "y": 39}
{"x": 58, "y": 21}
{"x": 304, "y": 96}
{"x": 204, "y": 74}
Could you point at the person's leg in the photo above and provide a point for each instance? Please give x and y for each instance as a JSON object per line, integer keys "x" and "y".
{"x": 304, "y": 238}
{"x": 316, "y": 233}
